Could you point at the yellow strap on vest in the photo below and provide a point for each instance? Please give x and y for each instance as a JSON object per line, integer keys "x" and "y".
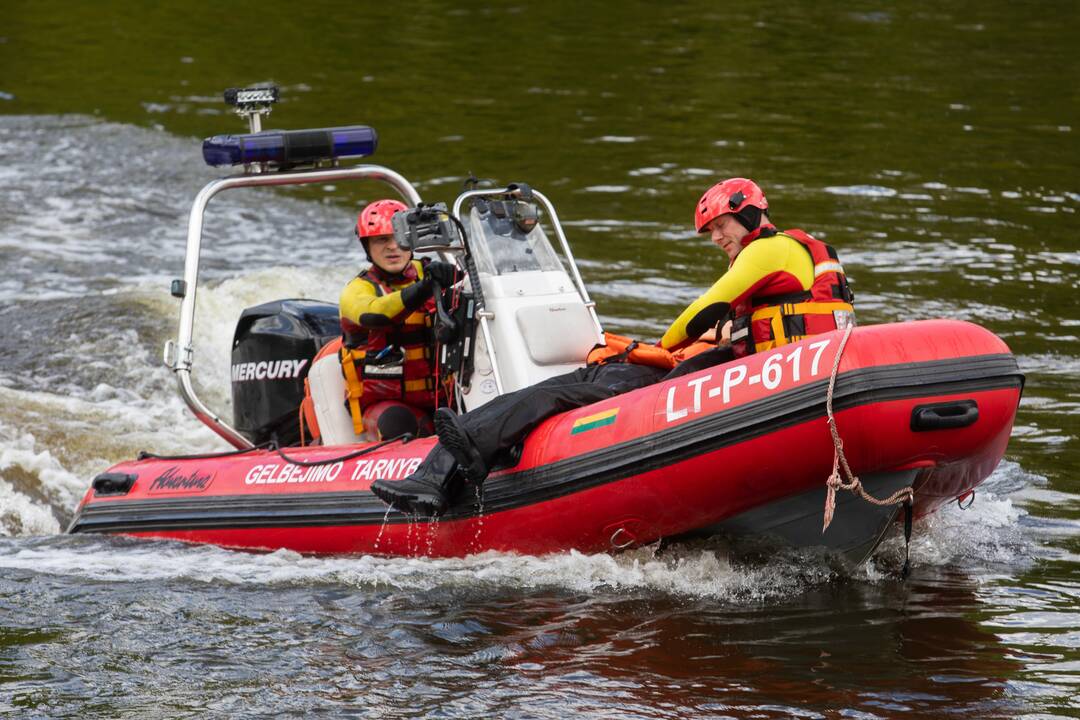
{"x": 416, "y": 318}
{"x": 353, "y": 383}
{"x": 775, "y": 315}
{"x": 418, "y": 385}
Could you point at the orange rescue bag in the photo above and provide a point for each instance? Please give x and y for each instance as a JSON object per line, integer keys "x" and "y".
{"x": 619, "y": 348}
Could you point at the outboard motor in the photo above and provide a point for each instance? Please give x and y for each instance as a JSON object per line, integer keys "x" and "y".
{"x": 272, "y": 350}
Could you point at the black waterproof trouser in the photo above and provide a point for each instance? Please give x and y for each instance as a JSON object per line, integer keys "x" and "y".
{"x": 505, "y": 421}
{"x": 701, "y": 361}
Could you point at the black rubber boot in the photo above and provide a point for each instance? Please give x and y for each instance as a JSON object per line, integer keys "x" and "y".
{"x": 428, "y": 491}
{"x": 455, "y": 438}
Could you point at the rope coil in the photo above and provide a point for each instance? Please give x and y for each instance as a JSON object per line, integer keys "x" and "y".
{"x": 836, "y": 481}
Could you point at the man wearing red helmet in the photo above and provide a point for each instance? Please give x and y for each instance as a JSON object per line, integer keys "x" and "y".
{"x": 780, "y": 286}
{"x": 388, "y": 348}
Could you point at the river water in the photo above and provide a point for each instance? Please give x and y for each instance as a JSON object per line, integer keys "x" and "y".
{"x": 936, "y": 148}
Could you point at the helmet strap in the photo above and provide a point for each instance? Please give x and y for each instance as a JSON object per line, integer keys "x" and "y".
{"x": 750, "y": 217}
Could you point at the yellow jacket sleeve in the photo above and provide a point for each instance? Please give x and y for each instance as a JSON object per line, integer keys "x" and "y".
{"x": 754, "y": 266}
{"x": 361, "y": 303}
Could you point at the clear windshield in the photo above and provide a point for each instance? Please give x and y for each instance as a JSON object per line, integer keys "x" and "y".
{"x": 497, "y": 253}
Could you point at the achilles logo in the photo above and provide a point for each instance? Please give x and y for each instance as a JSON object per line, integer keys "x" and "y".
{"x": 268, "y": 370}
{"x": 172, "y": 480}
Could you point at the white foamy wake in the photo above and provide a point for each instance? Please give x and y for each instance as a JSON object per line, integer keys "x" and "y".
{"x": 21, "y": 464}
{"x": 51, "y": 445}
{"x": 689, "y": 572}
{"x": 20, "y": 515}
{"x": 992, "y": 532}
{"x": 220, "y": 305}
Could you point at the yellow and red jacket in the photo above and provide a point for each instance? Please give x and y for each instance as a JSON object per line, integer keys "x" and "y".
{"x": 782, "y": 287}
{"x": 388, "y": 348}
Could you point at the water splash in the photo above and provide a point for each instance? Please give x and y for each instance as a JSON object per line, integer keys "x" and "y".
{"x": 382, "y": 527}
{"x": 479, "y": 521}
{"x": 432, "y": 533}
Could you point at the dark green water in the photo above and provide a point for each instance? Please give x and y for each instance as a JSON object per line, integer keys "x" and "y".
{"x": 936, "y": 147}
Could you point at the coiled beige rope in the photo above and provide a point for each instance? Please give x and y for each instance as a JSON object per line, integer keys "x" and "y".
{"x": 853, "y": 484}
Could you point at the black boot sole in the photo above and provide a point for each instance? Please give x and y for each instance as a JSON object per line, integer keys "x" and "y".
{"x": 453, "y": 437}
{"x": 393, "y": 498}
{"x": 409, "y": 503}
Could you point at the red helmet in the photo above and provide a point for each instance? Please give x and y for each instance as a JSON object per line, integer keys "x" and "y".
{"x": 729, "y": 196}
{"x": 375, "y": 218}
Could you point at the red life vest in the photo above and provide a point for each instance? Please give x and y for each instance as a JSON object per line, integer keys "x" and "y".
{"x": 391, "y": 363}
{"x": 771, "y": 321}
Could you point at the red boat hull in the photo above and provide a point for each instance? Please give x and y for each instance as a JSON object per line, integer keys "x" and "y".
{"x": 679, "y": 457}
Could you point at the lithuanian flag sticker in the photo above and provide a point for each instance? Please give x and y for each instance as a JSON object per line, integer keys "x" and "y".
{"x": 592, "y": 422}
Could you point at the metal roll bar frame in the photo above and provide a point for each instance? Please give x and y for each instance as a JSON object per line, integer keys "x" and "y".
{"x": 179, "y": 354}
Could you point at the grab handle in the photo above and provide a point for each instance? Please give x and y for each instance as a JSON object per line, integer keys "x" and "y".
{"x": 944, "y": 416}
{"x": 113, "y": 484}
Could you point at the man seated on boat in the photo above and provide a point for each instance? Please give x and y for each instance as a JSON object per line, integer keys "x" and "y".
{"x": 785, "y": 286}
{"x": 388, "y": 347}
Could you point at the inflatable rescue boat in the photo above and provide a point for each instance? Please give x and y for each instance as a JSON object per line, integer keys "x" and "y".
{"x": 920, "y": 411}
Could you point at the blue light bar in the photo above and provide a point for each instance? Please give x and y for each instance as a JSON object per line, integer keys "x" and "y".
{"x": 290, "y": 147}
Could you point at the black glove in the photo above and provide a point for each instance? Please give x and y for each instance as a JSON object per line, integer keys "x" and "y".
{"x": 414, "y": 296}
{"x": 442, "y": 273}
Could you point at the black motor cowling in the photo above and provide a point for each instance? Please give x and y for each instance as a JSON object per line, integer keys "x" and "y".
{"x": 272, "y": 350}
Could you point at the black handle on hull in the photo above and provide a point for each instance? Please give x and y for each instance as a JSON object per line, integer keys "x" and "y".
{"x": 944, "y": 416}
{"x": 113, "y": 484}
